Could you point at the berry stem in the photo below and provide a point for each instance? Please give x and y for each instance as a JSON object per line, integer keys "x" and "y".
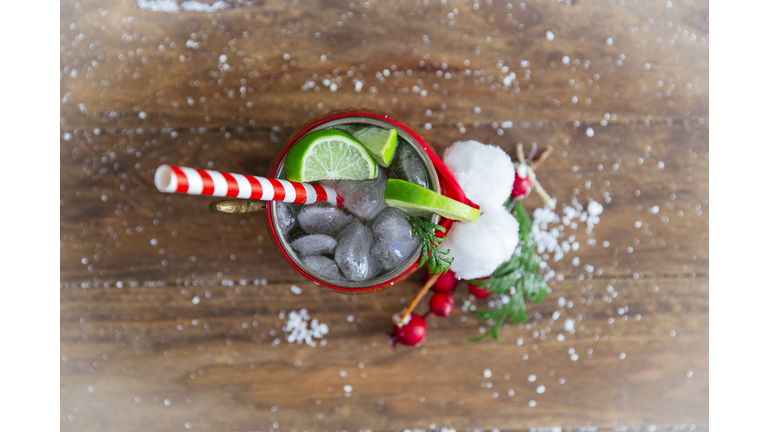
{"x": 415, "y": 300}
{"x": 544, "y": 155}
{"x": 536, "y": 185}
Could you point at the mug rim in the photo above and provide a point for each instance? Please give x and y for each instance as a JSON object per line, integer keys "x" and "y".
{"x": 334, "y": 116}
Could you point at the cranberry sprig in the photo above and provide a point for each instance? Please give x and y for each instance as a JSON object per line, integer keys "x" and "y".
{"x": 515, "y": 281}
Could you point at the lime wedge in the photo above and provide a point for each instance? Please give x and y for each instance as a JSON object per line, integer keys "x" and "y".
{"x": 380, "y": 142}
{"x": 329, "y": 155}
{"x": 420, "y": 201}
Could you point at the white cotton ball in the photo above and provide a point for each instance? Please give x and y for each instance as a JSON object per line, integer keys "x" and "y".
{"x": 484, "y": 172}
{"x": 479, "y": 248}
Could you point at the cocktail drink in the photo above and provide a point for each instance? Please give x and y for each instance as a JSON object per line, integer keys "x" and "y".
{"x": 363, "y": 245}
{"x": 344, "y": 199}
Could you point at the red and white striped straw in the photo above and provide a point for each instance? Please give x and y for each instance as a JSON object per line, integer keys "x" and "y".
{"x": 191, "y": 181}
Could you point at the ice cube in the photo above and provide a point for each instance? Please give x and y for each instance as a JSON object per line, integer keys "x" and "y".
{"x": 285, "y": 218}
{"x": 322, "y": 219}
{"x": 314, "y": 244}
{"x": 352, "y": 253}
{"x": 407, "y": 165}
{"x": 393, "y": 238}
{"x": 363, "y": 198}
{"x": 323, "y": 266}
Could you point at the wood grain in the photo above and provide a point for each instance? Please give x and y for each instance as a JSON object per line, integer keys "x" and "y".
{"x": 219, "y": 370}
{"x": 119, "y": 61}
{"x": 111, "y": 210}
{"x": 169, "y": 313}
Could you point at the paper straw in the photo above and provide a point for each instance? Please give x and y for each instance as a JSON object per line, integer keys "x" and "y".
{"x": 191, "y": 181}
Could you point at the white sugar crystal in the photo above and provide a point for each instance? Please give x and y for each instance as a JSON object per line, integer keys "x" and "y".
{"x": 507, "y": 82}
{"x": 296, "y": 290}
{"x": 487, "y": 373}
{"x": 540, "y": 389}
{"x": 590, "y": 132}
{"x": 531, "y": 378}
{"x": 609, "y": 42}
{"x": 569, "y": 325}
{"x": 566, "y": 60}
{"x": 594, "y": 208}
{"x": 532, "y": 403}
{"x": 550, "y": 35}
{"x": 297, "y": 325}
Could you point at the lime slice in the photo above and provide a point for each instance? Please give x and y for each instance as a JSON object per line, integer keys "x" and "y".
{"x": 328, "y": 155}
{"x": 420, "y": 201}
{"x": 380, "y": 142}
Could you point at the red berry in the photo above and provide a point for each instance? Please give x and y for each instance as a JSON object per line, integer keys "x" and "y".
{"x": 479, "y": 292}
{"x": 412, "y": 333}
{"x": 446, "y": 282}
{"x": 521, "y": 187}
{"x": 441, "y": 304}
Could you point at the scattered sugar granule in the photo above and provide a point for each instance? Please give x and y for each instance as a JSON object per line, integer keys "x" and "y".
{"x": 532, "y": 403}
{"x": 296, "y": 290}
{"x": 487, "y": 373}
{"x": 568, "y": 326}
{"x": 531, "y": 378}
{"x": 187, "y": 6}
{"x": 540, "y": 389}
{"x": 297, "y": 325}
{"x": 550, "y": 35}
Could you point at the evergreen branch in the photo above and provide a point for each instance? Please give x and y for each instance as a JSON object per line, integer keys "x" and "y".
{"x": 431, "y": 253}
{"x": 513, "y": 282}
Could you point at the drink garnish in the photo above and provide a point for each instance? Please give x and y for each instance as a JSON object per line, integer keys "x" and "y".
{"x": 431, "y": 253}
{"x": 380, "y": 143}
{"x": 329, "y": 155}
{"x": 421, "y": 202}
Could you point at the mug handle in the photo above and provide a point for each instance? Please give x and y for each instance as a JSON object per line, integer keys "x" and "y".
{"x": 237, "y": 206}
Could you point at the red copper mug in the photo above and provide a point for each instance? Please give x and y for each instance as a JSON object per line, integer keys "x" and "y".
{"x": 441, "y": 181}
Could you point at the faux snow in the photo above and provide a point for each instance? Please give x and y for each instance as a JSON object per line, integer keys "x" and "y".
{"x": 297, "y": 325}
{"x": 485, "y": 172}
{"x": 479, "y": 248}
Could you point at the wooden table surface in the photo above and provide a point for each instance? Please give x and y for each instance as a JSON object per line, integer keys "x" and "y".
{"x": 169, "y": 313}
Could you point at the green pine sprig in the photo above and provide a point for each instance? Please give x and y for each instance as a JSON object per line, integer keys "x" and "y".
{"x": 514, "y": 281}
{"x": 431, "y": 253}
